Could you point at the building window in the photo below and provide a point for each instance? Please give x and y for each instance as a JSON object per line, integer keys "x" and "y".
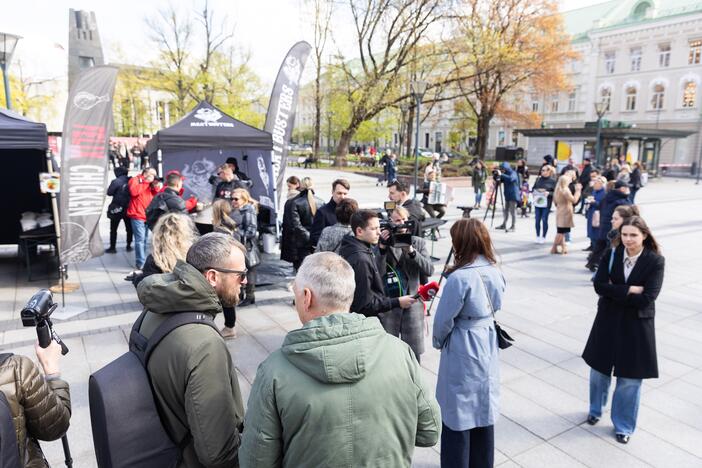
{"x": 610, "y": 59}
{"x": 554, "y": 103}
{"x": 534, "y": 103}
{"x": 86, "y": 62}
{"x": 631, "y": 98}
{"x": 572, "y": 99}
{"x": 663, "y": 55}
{"x": 426, "y": 140}
{"x": 635, "y": 56}
{"x": 658, "y": 97}
{"x": 606, "y": 98}
{"x": 695, "y": 52}
{"x": 689, "y": 94}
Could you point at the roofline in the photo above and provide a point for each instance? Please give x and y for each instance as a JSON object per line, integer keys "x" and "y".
{"x": 605, "y": 132}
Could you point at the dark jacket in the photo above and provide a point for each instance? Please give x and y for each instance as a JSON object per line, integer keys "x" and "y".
{"x": 584, "y": 178}
{"x": 149, "y": 268}
{"x": 119, "y": 190}
{"x": 40, "y": 409}
{"x": 369, "y": 297}
{"x": 635, "y": 178}
{"x": 193, "y": 378}
{"x": 168, "y": 201}
{"x": 548, "y": 184}
{"x": 326, "y": 216}
{"x": 623, "y": 335}
{"x": 416, "y": 214}
{"x": 225, "y": 190}
{"x": 611, "y": 201}
{"x": 510, "y": 183}
{"x": 297, "y": 222}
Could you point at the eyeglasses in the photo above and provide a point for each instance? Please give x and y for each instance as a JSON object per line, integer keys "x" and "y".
{"x": 242, "y": 274}
{"x": 235, "y": 199}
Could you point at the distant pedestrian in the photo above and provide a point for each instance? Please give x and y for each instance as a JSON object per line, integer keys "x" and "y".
{"x": 623, "y": 338}
{"x": 435, "y": 210}
{"x": 392, "y": 169}
{"x": 635, "y": 181}
{"x": 142, "y": 189}
{"x": 510, "y": 188}
{"x": 542, "y": 194}
{"x": 478, "y": 178}
{"x": 117, "y": 209}
{"x": 522, "y": 171}
{"x": 564, "y": 201}
{"x": 469, "y": 380}
{"x": 584, "y": 179}
{"x": 593, "y": 211}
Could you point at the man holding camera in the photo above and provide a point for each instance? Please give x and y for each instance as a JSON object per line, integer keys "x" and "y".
{"x": 142, "y": 189}
{"x": 40, "y": 406}
{"x": 510, "y": 182}
{"x": 407, "y": 258}
{"x": 360, "y": 250}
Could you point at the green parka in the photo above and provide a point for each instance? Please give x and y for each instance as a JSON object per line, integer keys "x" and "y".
{"x": 195, "y": 385}
{"x": 339, "y": 393}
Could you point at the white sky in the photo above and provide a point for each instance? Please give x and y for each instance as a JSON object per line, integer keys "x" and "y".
{"x": 268, "y": 28}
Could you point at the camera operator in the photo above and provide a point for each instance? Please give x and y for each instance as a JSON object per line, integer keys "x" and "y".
{"x": 405, "y": 263}
{"x": 40, "y": 406}
{"x": 398, "y": 192}
{"x": 361, "y": 251}
{"x": 510, "y": 183}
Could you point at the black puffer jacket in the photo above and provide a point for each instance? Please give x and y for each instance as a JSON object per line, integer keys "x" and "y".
{"x": 369, "y": 297}
{"x": 226, "y": 189}
{"x": 119, "y": 189}
{"x": 297, "y": 222}
{"x": 325, "y": 217}
{"x": 168, "y": 201}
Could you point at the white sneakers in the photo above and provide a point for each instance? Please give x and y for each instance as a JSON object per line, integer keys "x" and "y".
{"x": 540, "y": 240}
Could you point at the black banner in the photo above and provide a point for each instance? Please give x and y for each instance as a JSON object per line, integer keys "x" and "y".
{"x": 87, "y": 127}
{"x": 280, "y": 118}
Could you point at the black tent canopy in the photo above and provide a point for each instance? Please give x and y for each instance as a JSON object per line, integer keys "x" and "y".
{"x": 23, "y": 146}
{"x": 206, "y": 127}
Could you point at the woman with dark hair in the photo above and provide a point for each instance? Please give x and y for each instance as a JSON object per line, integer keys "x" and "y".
{"x": 522, "y": 171}
{"x": 468, "y": 382}
{"x": 221, "y": 217}
{"x": 620, "y": 213}
{"x": 298, "y": 215}
{"x": 623, "y": 338}
{"x": 330, "y": 239}
{"x": 293, "y": 183}
{"x": 542, "y": 193}
{"x": 478, "y": 178}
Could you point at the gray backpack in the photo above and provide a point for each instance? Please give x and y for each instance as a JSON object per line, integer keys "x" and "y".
{"x": 127, "y": 429}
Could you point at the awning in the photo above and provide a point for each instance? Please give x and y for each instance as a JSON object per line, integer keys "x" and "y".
{"x": 606, "y": 133}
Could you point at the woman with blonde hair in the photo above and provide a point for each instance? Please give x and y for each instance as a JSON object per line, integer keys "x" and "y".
{"x": 173, "y": 235}
{"x": 564, "y": 201}
{"x": 244, "y": 215}
{"x": 298, "y": 216}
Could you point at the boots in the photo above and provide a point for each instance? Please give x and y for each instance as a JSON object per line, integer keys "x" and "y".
{"x": 250, "y": 296}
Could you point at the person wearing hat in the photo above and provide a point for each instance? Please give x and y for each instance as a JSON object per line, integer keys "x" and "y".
{"x": 234, "y": 164}
{"x": 617, "y": 196}
{"x": 584, "y": 180}
{"x": 548, "y": 161}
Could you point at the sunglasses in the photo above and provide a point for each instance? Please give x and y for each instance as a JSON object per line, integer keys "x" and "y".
{"x": 235, "y": 199}
{"x": 242, "y": 274}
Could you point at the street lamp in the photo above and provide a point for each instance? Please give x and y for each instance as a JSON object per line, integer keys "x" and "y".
{"x": 419, "y": 87}
{"x": 600, "y": 110}
{"x": 8, "y": 42}
{"x": 404, "y": 108}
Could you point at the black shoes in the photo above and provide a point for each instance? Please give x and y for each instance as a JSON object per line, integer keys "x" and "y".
{"x": 501, "y": 226}
{"x": 512, "y": 229}
{"x": 622, "y": 439}
{"x": 129, "y": 248}
{"x": 111, "y": 250}
{"x": 247, "y": 302}
{"x": 588, "y": 249}
{"x": 592, "y": 420}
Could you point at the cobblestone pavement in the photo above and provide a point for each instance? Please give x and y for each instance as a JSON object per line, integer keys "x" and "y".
{"x": 549, "y": 309}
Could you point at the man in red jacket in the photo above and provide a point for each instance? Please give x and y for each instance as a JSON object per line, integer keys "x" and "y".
{"x": 142, "y": 189}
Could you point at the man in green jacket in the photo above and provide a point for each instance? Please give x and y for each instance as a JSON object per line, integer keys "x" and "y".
{"x": 340, "y": 392}
{"x": 194, "y": 382}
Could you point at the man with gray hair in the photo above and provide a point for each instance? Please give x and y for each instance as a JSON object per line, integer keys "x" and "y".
{"x": 192, "y": 375}
{"x": 340, "y": 391}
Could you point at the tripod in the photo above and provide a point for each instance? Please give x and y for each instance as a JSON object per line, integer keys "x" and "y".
{"x": 492, "y": 201}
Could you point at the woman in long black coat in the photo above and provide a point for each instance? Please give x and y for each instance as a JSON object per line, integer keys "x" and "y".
{"x": 623, "y": 339}
{"x": 298, "y": 215}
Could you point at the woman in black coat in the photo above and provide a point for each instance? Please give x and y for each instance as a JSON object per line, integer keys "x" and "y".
{"x": 298, "y": 215}
{"x": 623, "y": 337}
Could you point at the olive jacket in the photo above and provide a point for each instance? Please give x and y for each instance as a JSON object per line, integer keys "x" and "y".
{"x": 41, "y": 409}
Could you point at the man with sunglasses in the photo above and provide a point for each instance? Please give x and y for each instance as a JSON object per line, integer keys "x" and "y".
{"x": 193, "y": 378}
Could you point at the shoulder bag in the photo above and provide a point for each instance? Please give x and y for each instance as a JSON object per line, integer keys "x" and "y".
{"x": 504, "y": 341}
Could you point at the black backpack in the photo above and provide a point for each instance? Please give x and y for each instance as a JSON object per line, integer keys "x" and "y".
{"x": 127, "y": 429}
{"x": 9, "y": 452}
{"x": 155, "y": 210}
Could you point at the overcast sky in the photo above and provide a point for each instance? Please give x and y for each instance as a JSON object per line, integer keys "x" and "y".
{"x": 268, "y": 28}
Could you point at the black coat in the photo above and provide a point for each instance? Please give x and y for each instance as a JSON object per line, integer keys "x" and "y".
{"x": 609, "y": 203}
{"x": 297, "y": 222}
{"x": 369, "y": 297}
{"x": 584, "y": 178}
{"x": 225, "y": 190}
{"x": 623, "y": 335}
{"x": 119, "y": 191}
{"x": 168, "y": 201}
{"x": 326, "y": 216}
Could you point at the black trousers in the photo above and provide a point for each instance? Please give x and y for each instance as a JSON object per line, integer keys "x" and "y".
{"x": 114, "y": 224}
{"x": 474, "y": 448}
{"x": 229, "y": 316}
{"x": 597, "y": 251}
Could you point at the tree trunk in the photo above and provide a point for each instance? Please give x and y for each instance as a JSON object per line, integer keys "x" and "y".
{"x": 342, "y": 149}
{"x": 317, "y": 111}
{"x": 481, "y": 142}
{"x": 410, "y": 127}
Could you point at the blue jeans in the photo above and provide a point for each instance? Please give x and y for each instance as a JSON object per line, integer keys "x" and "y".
{"x": 141, "y": 235}
{"x": 541, "y": 220}
{"x": 625, "y": 401}
{"x": 478, "y": 196}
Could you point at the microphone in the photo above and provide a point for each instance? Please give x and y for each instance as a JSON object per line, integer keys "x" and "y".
{"x": 427, "y": 291}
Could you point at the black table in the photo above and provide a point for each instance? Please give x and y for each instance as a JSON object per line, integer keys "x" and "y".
{"x": 30, "y": 240}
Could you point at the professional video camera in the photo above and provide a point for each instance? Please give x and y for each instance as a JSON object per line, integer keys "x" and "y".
{"x": 398, "y": 239}
{"x": 496, "y": 175}
{"x": 37, "y": 314}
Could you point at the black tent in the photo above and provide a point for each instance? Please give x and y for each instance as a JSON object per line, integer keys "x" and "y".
{"x": 204, "y": 139}
{"x": 23, "y": 146}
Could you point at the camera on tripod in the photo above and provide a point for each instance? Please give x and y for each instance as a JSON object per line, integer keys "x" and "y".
{"x": 496, "y": 175}
{"x": 398, "y": 239}
{"x": 37, "y": 314}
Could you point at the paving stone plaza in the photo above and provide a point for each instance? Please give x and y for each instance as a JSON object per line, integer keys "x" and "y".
{"x": 549, "y": 308}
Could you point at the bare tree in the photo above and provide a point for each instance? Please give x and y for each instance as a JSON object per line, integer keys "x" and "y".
{"x": 215, "y": 36}
{"x": 322, "y": 11}
{"x": 171, "y": 31}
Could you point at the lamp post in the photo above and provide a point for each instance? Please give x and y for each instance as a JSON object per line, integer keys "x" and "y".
{"x": 404, "y": 108}
{"x": 8, "y": 42}
{"x": 419, "y": 87}
{"x": 600, "y": 110}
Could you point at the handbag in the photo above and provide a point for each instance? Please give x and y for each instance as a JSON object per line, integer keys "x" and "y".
{"x": 596, "y": 218}
{"x": 540, "y": 199}
{"x": 504, "y": 341}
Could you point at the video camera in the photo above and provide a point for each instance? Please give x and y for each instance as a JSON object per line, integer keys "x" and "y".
{"x": 396, "y": 238}
{"x": 37, "y": 314}
{"x": 496, "y": 175}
